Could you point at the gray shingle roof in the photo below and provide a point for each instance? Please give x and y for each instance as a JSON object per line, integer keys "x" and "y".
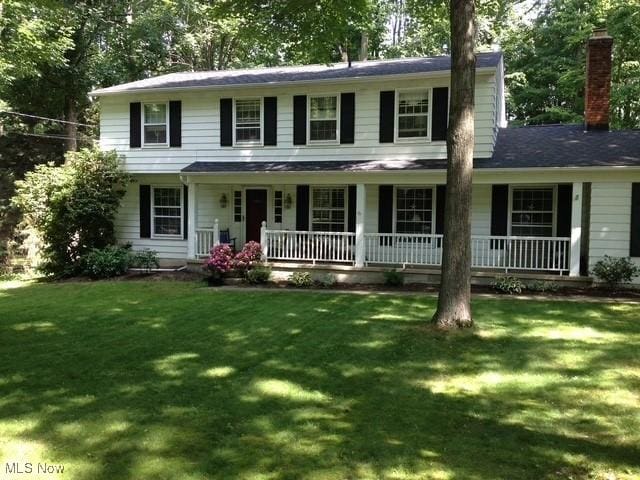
{"x": 266, "y": 76}
{"x": 554, "y": 146}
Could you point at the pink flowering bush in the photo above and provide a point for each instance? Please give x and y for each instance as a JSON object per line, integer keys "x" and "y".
{"x": 248, "y": 257}
{"x": 220, "y": 261}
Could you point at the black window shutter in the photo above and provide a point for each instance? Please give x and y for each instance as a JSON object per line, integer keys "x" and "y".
{"x": 299, "y": 119}
{"x": 270, "y": 120}
{"x": 226, "y": 122}
{"x": 351, "y": 214}
{"x": 302, "y": 207}
{"x": 441, "y": 195}
{"x": 135, "y": 135}
{"x": 440, "y": 114}
{"x": 145, "y": 211}
{"x": 499, "y": 210}
{"x": 563, "y": 217}
{"x": 634, "y": 250}
{"x": 175, "y": 123}
{"x": 387, "y": 114}
{"x": 185, "y": 212}
{"x": 347, "y": 117}
{"x": 385, "y": 209}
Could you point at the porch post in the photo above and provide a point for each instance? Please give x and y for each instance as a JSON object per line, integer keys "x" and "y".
{"x": 263, "y": 240}
{"x": 216, "y": 233}
{"x": 361, "y": 201}
{"x": 576, "y": 230}
{"x": 191, "y": 220}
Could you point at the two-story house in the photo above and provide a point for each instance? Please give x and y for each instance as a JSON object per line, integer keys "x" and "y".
{"x": 345, "y": 165}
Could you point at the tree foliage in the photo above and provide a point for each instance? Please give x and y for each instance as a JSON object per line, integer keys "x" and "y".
{"x": 72, "y": 207}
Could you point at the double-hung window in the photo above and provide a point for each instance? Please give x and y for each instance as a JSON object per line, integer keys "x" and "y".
{"x": 532, "y": 211}
{"x": 412, "y": 111}
{"x": 323, "y": 119}
{"x": 155, "y": 121}
{"x": 248, "y": 121}
{"x": 414, "y": 210}
{"x": 167, "y": 211}
{"x": 328, "y": 209}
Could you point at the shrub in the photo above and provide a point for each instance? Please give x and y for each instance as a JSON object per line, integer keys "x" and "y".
{"x": 145, "y": 259}
{"x": 220, "y": 261}
{"x": 107, "y": 262}
{"x": 301, "y": 279}
{"x": 615, "y": 271}
{"x": 393, "y": 278}
{"x": 72, "y": 207}
{"x": 508, "y": 285}
{"x": 542, "y": 286}
{"x": 327, "y": 281}
{"x": 259, "y": 274}
{"x": 248, "y": 257}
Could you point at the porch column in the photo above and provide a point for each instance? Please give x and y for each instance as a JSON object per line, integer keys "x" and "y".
{"x": 191, "y": 220}
{"x": 361, "y": 201}
{"x": 576, "y": 230}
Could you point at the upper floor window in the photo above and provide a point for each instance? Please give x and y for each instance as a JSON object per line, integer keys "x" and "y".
{"x": 412, "y": 111}
{"x": 155, "y": 121}
{"x": 323, "y": 119}
{"x": 532, "y": 211}
{"x": 167, "y": 211}
{"x": 248, "y": 121}
{"x": 414, "y": 210}
{"x": 328, "y": 209}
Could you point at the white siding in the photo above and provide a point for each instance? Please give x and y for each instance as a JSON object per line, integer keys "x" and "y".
{"x": 610, "y": 221}
{"x": 481, "y": 210}
{"x": 201, "y": 128}
{"x": 127, "y": 222}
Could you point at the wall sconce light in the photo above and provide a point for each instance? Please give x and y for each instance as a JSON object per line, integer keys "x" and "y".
{"x": 223, "y": 200}
{"x": 288, "y": 201}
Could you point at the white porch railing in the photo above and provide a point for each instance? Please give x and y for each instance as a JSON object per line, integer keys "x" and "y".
{"x": 307, "y": 246}
{"x": 496, "y": 252}
{"x": 403, "y": 249}
{"x": 206, "y": 239}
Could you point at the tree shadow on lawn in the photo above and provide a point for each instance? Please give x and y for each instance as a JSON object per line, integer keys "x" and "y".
{"x": 167, "y": 381}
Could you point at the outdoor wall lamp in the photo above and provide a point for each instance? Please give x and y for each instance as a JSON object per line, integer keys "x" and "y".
{"x": 223, "y": 200}
{"x": 288, "y": 201}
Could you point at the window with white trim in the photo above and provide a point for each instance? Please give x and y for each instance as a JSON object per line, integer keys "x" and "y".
{"x": 248, "y": 121}
{"x": 328, "y": 209}
{"x": 414, "y": 210}
{"x": 167, "y": 211}
{"x": 323, "y": 119}
{"x": 155, "y": 123}
{"x": 412, "y": 111}
{"x": 532, "y": 211}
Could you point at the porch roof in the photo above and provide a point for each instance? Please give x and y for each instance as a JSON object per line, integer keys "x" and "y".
{"x": 550, "y": 146}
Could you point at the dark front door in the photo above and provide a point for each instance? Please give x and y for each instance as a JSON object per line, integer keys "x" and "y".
{"x": 256, "y": 213}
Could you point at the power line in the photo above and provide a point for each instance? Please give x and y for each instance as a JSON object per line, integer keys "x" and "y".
{"x": 59, "y": 137}
{"x": 44, "y": 118}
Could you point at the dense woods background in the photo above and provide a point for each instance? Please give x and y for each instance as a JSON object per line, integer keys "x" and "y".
{"x": 52, "y": 52}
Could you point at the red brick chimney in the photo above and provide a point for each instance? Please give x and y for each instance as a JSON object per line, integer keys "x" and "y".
{"x": 598, "y": 84}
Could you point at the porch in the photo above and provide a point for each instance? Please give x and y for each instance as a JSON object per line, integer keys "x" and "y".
{"x": 356, "y": 219}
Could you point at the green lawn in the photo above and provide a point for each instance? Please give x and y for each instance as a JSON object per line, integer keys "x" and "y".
{"x": 169, "y": 380}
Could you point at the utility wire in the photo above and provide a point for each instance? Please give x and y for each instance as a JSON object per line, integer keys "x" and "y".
{"x": 59, "y": 137}
{"x": 44, "y": 118}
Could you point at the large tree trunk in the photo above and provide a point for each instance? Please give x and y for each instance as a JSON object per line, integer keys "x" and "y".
{"x": 454, "y": 299}
{"x": 71, "y": 128}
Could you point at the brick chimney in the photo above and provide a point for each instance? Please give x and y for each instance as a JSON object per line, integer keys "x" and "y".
{"x": 598, "y": 84}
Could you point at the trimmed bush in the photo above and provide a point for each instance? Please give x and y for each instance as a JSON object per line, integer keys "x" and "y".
{"x": 258, "y": 274}
{"x": 508, "y": 285}
{"x": 542, "y": 286}
{"x": 393, "y": 278}
{"x": 327, "y": 281}
{"x": 248, "y": 257}
{"x": 145, "y": 259}
{"x": 107, "y": 262}
{"x": 615, "y": 271}
{"x": 220, "y": 262}
{"x": 301, "y": 279}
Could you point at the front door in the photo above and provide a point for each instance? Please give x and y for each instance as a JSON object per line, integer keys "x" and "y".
{"x": 256, "y": 213}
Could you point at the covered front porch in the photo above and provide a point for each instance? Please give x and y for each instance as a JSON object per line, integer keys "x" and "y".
{"x": 516, "y": 227}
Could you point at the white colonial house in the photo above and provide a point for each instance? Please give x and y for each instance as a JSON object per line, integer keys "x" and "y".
{"x": 344, "y": 166}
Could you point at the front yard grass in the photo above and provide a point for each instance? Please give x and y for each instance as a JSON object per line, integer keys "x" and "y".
{"x": 167, "y": 380}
